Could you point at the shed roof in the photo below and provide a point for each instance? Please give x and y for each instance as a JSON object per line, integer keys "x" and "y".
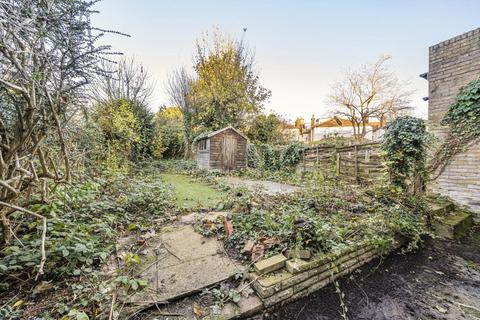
{"x": 206, "y": 135}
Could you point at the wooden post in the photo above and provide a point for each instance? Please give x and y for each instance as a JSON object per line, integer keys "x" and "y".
{"x": 356, "y": 164}
{"x": 338, "y": 163}
{"x": 304, "y": 164}
{"x": 367, "y": 160}
{"x": 317, "y": 157}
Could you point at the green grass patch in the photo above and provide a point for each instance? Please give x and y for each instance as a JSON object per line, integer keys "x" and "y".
{"x": 191, "y": 194}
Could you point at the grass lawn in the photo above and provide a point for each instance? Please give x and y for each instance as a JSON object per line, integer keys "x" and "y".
{"x": 192, "y": 194}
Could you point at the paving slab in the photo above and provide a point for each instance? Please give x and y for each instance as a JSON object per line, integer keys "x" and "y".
{"x": 180, "y": 262}
{"x": 269, "y": 187}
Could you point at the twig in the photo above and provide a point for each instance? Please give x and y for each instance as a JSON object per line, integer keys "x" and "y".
{"x": 467, "y": 306}
{"x": 15, "y": 236}
{"x": 112, "y": 306}
{"x": 44, "y": 234}
{"x": 169, "y": 251}
{"x": 301, "y": 310}
{"x": 6, "y": 303}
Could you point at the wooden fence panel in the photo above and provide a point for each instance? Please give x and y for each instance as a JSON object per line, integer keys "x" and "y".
{"x": 361, "y": 163}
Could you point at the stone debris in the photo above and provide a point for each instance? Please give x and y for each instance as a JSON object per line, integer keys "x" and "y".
{"x": 270, "y": 264}
{"x": 299, "y": 253}
{"x": 228, "y": 226}
{"x": 270, "y": 242}
{"x": 258, "y": 252}
{"x": 248, "y": 248}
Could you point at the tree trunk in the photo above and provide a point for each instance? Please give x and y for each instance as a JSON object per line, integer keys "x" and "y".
{"x": 187, "y": 134}
{"x": 6, "y": 234}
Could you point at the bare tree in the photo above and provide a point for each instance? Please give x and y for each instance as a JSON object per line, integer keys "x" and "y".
{"x": 179, "y": 90}
{"x": 125, "y": 79}
{"x": 47, "y": 56}
{"x": 372, "y": 91}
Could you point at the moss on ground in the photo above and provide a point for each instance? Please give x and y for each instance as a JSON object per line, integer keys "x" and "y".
{"x": 191, "y": 194}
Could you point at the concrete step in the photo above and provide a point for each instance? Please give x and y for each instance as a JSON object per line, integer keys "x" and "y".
{"x": 453, "y": 225}
{"x": 438, "y": 208}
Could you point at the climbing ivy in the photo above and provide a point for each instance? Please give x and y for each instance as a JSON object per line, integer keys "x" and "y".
{"x": 405, "y": 146}
{"x": 462, "y": 120}
{"x": 292, "y": 154}
{"x": 268, "y": 157}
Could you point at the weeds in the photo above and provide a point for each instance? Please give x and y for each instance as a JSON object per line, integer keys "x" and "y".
{"x": 84, "y": 220}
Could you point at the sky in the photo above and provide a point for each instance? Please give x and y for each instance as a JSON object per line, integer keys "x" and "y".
{"x": 301, "y": 46}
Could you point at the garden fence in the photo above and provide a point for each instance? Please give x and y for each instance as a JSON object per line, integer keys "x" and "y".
{"x": 358, "y": 163}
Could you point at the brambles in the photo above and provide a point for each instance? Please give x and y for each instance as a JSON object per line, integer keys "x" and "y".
{"x": 84, "y": 220}
{"x": 328, "y": 218}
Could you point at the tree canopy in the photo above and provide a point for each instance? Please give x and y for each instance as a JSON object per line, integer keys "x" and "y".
{"x": 227, "y": 88}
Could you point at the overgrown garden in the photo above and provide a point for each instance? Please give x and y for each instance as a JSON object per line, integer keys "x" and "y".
{"x": 85, "y": 162}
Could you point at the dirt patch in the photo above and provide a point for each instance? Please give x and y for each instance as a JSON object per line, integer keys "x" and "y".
{"x": 439, "y": 281}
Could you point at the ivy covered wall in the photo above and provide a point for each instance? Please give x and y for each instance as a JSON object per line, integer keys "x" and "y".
{"x": 453, "y": 64}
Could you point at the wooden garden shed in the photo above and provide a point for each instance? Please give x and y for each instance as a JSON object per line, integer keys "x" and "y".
{"x": 224, "y": 149}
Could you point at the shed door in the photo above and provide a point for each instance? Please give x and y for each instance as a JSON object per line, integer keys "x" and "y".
{"x": 229, "y": 150}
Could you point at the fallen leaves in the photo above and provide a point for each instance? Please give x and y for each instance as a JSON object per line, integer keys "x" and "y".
{"x": 199, "y": 311}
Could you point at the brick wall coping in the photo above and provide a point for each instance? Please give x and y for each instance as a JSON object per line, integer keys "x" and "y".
{"x": 455, "y": 39}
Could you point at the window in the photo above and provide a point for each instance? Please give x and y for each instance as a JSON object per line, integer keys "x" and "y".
{"x": 202, "y": 144}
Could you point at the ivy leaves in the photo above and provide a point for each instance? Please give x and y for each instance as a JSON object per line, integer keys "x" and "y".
{"x": 464, "y": 114}
{"x": 462, "y": 118}
{"x": 405, "y": 146}
{"x": 267, "y": 157}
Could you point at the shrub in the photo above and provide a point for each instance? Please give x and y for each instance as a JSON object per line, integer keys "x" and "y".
{"x": 270, "y": 158}
{"x": 405, "y": 146}
{"x": 292, "y": 154}
{"x": 253, "y": 157}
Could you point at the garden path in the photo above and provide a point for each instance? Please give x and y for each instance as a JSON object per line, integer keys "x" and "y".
{"x": 268, "y": 187}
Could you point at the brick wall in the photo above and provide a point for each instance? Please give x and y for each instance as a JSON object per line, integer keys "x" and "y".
{"x": 453, "y": 64}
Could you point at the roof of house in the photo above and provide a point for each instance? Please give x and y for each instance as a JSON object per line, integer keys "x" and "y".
{"x": 341, "y": 122}
{"x": 206, "y": 135}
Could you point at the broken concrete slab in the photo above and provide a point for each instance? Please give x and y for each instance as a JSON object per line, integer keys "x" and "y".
{"x": 270, "y": 264}
{"x": 180, "y": 262}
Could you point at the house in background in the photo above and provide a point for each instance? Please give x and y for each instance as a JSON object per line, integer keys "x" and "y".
{"x": 319, "y": 129}
{"x": 224, "y": 149}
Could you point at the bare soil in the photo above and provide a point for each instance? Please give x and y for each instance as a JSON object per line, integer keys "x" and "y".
{"x": 439, "y": 281}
